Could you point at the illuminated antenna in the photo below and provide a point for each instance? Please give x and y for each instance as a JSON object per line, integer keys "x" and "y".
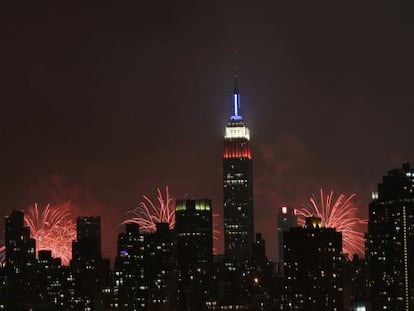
{"x": 236, "y": 94}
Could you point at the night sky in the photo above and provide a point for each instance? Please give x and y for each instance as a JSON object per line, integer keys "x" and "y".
{"x": 103, "y": 104}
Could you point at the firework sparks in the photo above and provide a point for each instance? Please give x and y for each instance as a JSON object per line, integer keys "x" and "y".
{"x": 147, "y": 214}
{"x": 216, "y": 232}
{"x": 339, "y": 213}
{"x": 53, "y": 229}
{"x": 2, "y": 255}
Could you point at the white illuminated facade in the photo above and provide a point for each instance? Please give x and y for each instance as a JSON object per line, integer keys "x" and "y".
{"x": 237, "y": 132}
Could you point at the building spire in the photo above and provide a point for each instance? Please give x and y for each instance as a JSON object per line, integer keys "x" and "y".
{"x": 236, "y": 94}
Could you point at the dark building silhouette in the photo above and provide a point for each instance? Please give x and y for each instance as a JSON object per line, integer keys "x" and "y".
{"x": 260, "y": 282}
{"x": 20, "y": 247}
{"x": 20, "y": 263}
{"x": 237, "y": 186}
{"x": 54, "y": 283}
{"x": 389, "y": 242}
{"x": 194, "y": 229}
{"x": 355, "y": 284}
{"x": 130, "y": 286}
{"x": 87, "y": 246}
{"x": 161, "y": 269}
{"x": 313, "y": 278}
{"x": 286, "y": 219}
{"x": 90, "y": 270}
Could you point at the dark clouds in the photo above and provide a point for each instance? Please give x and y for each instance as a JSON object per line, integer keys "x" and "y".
{"x": 119, "y": 99}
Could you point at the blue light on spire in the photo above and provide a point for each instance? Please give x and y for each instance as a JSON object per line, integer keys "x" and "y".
{"x": 236, "y": 104}
{"x": 236, "y": 101}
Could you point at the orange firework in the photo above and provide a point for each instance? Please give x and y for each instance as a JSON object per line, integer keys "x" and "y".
{"x": 147, "y": 214}
{"x": 339, "y": 213}
{"x": 53, "y": 230}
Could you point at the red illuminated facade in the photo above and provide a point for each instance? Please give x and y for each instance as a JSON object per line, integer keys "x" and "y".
{"x": 237, "y": 148}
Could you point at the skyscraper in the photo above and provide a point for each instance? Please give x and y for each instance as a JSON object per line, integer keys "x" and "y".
{"x": 90, "y": 270}
{"x": 161, "y": 269}
{"x": 390, "y": 242}
{"x": 194, "y": 229}
{"x": 131, "y": 289}
{"x": 237, "y": 186}
{"x": 313, "y": 278}
{"x": 88, "y": 239}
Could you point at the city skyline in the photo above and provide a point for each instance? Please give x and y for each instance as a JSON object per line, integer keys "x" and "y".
{"x": 117, "y": 104}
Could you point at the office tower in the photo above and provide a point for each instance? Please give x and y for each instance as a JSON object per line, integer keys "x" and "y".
{"x": 129, "y": 271}
{"x": 286, "y": 219}
{"x": 237, "y": 186}
{"x": 90, "y": 270}
{"x": 313, "y": 277}
{"x": 194, "y": 229}
{"x": 161, "y": 269}
{"x": 390, "y": 241}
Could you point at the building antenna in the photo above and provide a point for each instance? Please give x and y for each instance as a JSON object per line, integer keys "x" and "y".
{"x": 236, "y": 94}
{"x": 236, "y": 71}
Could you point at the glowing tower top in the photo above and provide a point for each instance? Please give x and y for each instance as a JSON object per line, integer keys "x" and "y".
{"x": 237, "y": 185}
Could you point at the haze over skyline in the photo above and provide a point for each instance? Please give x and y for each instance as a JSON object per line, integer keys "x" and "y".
{"x": 101, "y": 105}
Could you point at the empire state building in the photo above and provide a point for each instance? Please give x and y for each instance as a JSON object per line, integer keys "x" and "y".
{"x": 237, "y": 186}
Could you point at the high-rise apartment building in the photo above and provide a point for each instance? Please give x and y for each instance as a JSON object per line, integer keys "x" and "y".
{"x": 237, "y": 186}
{"x": 90, "y": 270}
{"x": 161, "y": 269}
{"x": 20, "y": 263}
{"x": 313, "y": 278}
{"x": 129, "y": 274}
{"x": 390, "y": 242}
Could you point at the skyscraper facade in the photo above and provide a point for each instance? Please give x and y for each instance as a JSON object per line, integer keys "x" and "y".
{"x": 313, "y": 278}
{"x": 286, "y": 219}
{"x": 20, "y": 262}
{"x": 390, "y": 242}
{"x": 237, "y": 186}
{"x": 20, "y": 247}
{"x": 130, "y": 283}
{"x": 90, "y": 270}
{"x": 194, "y": 229}
{"x": 161, "y": 269}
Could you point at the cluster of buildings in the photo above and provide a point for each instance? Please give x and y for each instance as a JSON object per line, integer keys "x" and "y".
{"x": 175, "y": 269}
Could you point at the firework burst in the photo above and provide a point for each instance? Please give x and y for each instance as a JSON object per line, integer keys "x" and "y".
{"x": 147, "y": 214}
{"x": 53, "y": 229}
{"x": 339, "y": 213}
